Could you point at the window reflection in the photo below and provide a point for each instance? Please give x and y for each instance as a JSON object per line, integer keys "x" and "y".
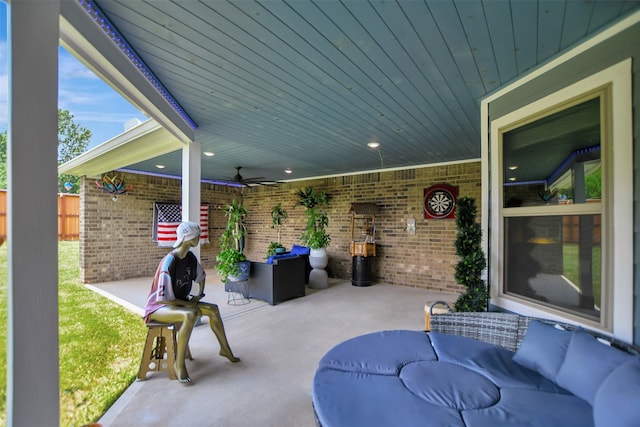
{"x": 555, "y": 260}
{"x": 555, "y": 159}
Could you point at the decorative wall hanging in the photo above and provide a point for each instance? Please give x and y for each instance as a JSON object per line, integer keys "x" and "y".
{"x": 440, "y": 201}
{"x": 167, "y": 217}
{"x": 113, "y": 186}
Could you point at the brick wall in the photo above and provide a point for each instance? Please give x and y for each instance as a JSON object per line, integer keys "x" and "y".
{"x": 116, "y": 237}
{"x": 115, "y": 230}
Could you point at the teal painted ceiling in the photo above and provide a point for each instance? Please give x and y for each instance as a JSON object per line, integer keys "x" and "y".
{"x": 306, "y": 85}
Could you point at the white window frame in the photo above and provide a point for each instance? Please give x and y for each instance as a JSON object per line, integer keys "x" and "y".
{"x": 617, "y": 203}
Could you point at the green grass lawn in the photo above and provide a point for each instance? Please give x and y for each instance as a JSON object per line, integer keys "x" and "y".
{"x": 100, "y": 343}
{"x": 571, "y": 268}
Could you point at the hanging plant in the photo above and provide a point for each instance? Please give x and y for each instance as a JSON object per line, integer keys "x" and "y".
{"x": 472, "y": 258}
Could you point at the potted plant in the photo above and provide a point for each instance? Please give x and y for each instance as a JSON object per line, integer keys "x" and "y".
{"x": 232, "y": 262}
{"x": 278, "y": 216}
{"x": 315, "y": 234}
{"x": 472, "y": 258}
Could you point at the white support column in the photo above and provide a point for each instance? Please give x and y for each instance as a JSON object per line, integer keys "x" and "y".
{"x": 32, "y": 224}
{"x": 191, "y": 175}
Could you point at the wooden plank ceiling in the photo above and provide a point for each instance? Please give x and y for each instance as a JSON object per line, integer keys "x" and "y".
{"x": 306, "y": 85}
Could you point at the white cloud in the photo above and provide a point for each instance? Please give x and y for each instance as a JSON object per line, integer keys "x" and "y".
{"x": 71, "y": 95}
{"x": 92, "y": 102}
{"x": 102, "y": 117}
{"x": 70, "y": 68}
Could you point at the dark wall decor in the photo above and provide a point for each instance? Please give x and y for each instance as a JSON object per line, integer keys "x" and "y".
{"x": 440, "y": 201}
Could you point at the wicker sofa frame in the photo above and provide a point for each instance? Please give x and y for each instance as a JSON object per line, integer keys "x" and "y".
{"x": 506, "y": 330}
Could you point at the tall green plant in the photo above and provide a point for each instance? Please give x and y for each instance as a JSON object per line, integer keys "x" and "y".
{"x": 278, "y": 216}
{"x": 472, "y": 258}
{"x": 315, "y": 233}
{"x": 231, "y": 248}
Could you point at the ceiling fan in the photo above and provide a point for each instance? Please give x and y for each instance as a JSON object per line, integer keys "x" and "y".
{"x": 246, "y": 182}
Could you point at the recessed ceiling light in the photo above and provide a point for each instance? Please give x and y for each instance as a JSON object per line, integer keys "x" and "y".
{"x": 288, "y": 171}
{"x": 208, "y": 153}
{"x": 513, "y": 178}
{"x": 512, "y": 168}
{"x": 373, "y": 144}
{"x": 160, "y": 166}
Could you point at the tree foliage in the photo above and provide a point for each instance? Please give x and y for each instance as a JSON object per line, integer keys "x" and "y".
{"x": 315, "y": 232}
{"x": 3, "y": 160}
{"x": 73, "y": 140}
{"x": 472, "y": 258}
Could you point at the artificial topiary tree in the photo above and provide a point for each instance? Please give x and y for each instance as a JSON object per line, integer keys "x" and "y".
{"x": 472, "y": 258}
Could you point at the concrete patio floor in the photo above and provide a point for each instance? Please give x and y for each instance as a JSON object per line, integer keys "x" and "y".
{"x": 280, "y": 347}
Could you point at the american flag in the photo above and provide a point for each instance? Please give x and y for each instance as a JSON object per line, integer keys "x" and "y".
{"x": 167, "y": 217}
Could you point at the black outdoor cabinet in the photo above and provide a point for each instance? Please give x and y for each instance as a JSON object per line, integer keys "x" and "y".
{"x": 363, "y": 242}
{"x": 277, "y": 282}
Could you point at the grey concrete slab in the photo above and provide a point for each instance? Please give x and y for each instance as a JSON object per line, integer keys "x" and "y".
{"x": 280, "y": 347}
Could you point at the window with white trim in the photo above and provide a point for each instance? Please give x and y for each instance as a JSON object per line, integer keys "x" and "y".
{"x": 552, "y": 192}
{"x": 560, "y": 222}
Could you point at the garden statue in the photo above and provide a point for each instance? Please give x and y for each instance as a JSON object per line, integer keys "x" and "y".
{"x": 170, "y": 299}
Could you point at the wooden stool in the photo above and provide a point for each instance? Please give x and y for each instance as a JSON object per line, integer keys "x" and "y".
{"x": 160, "y": 350}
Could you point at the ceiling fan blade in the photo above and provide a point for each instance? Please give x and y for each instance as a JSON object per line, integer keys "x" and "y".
{"x": 246, "y": 182}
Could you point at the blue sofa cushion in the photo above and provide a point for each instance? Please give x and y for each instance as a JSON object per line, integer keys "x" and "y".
{"x": 299, "y": 250}
{"x": 518, "y": 407}
{"x": 616, "y": 402}
{"x": 543, "y": 349}
{"x": 356, "y": 399}
{"x": 587, "y": 364}
{"x": 493, "y": 362}
{"x": 381, "y": 353}
{"x": 273, "y": 258}
{"x": 449, "y": 385}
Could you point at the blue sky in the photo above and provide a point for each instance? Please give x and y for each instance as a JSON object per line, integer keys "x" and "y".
{"x": 92, "y": 102}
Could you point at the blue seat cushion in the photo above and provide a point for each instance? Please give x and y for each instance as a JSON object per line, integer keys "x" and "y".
{"x": 449, "y": 385}
{"x": 616, "y": 402}
{"x": 518, "y": 407}
{"x": 587, "y": 364}
{"x": 494, "y": 362}
{"x": 273, "y": 258}
{"x": 300, "y": 250}
{"x": 357, "y": 399}
{"x": 543, "y": 349}
{"x": 384, "y": 352}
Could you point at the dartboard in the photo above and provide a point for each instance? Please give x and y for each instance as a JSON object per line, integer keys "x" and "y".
{"x": 439, "y": 202}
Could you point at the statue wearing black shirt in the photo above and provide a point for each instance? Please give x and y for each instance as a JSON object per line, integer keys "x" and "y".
{"x": 170, "y": 299}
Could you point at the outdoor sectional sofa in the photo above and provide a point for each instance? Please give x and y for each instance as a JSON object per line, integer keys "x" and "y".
{"x": 480, "y": 369}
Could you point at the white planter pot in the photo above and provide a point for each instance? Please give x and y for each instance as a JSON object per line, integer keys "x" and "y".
{"x": 318, "y": 258}
{"x": 318, "y": 277}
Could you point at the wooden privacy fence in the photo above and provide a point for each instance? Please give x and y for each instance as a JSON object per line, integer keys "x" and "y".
{"x": 68, "y": 216}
